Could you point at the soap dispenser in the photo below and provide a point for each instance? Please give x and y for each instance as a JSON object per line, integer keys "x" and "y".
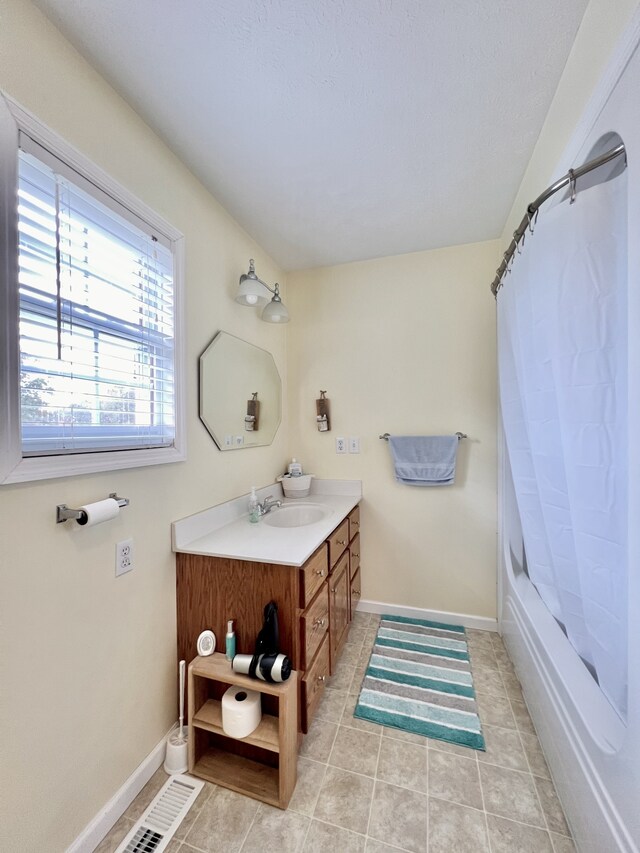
{"x": 295, "y": 468}
{"x": 254, "y": 510}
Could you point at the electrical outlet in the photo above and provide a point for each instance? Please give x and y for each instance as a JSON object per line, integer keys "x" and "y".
{"x": 354, "y": 445}
{"x": 341, "y": 445}
{"x": 124, "y": 556}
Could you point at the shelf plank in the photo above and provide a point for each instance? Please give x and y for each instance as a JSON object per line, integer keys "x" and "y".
{"x": 209, "y": 717}
{"x": 217, "y": 668}
{"x": 240, "y": 774}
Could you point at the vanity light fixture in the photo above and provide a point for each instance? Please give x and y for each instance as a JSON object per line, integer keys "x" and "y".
{"x": 254, "y": 291}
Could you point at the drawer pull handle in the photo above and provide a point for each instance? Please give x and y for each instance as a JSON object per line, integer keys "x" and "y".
{"x": 356, "y": 592}
{"x": 320, "y": 623}
{"x": 353, "y": 554}
{"x": 341, "y": 541}
{"x": 322, "y": 678}
{"x": 334, "y": 589}
{"x": 320, "y": 572}
{"x": 356, "y": 523}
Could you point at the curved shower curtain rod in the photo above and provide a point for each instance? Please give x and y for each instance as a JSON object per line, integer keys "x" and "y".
{"x": 569, "y": 180}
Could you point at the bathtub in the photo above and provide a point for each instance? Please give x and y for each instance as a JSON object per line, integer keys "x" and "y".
{"x": 593, "y": 755}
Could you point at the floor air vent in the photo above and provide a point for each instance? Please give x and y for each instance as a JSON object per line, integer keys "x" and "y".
{"x": 156, "y": 827}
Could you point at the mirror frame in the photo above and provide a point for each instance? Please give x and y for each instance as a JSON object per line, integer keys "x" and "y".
{"x": 210, "y": 428}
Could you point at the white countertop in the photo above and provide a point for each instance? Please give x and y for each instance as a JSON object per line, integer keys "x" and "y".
{"x": 225, "y": 530}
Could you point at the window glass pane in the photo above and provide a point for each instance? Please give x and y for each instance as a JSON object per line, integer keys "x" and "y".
{"x": 96, "y": 322}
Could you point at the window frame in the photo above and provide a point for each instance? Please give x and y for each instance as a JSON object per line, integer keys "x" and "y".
{"x": 14, "y": 467}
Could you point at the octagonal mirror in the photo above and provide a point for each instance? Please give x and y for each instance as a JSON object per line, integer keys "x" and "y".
{"x": 240, "y": 393}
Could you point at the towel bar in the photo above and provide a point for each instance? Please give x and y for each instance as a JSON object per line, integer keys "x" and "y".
{"x": 386, "y": 436}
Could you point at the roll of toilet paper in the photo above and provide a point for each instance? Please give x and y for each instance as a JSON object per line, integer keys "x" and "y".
{"x": 99, "y": 511}
{"x": 241, "y": 711}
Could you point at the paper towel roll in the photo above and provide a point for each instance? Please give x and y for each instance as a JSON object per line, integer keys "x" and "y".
{"x": 99, "y": 511}
{"x": 241, "y": 711}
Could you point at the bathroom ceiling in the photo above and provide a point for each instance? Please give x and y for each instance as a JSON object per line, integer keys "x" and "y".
{"x": 338, "y": 130}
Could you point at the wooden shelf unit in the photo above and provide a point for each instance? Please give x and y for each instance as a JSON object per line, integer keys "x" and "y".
{"x": 261, "y": 765}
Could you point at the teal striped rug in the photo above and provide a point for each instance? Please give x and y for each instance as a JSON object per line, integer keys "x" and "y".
{"x": 419, "y": 680}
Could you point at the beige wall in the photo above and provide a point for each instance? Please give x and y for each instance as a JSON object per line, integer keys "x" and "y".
{"x": 405, "y": 345}
{"x": 88, "y": 660}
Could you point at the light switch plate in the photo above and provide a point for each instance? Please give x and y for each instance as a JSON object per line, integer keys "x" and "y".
{"x": 354, "y": 445}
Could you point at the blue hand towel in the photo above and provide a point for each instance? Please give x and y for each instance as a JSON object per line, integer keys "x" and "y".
{"x": 424, "y": 460}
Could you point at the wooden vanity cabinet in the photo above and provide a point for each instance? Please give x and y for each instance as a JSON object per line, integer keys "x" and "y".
{"x": 315, "y": 605}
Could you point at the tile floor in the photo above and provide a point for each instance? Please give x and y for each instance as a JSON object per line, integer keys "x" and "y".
{"x": 365, "y": 789}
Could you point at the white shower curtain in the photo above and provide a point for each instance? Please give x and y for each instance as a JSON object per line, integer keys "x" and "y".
{"x": 562, "y": 326}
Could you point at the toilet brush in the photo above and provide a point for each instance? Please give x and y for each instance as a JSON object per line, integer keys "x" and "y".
{"x": 176, "y": 760}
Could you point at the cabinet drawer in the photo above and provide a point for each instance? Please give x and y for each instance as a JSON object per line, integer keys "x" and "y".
{"x": 354, "y": 593}
{"x": 314, "y": 624}
{"x": 313, "y": 575}
{"x": 354, "y": 522}
{"x": 314, "y": 682}
{"x": 338, "y": 542}
{"x": 354, "y": 551}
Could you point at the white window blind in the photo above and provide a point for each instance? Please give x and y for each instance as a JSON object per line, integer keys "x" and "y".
{"x": 97, "y": 349}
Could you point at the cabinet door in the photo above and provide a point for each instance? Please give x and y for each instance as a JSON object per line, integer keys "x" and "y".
{"x": 313, "y": 574}
{"x": 355, "y": 592}
{"x": 354, "y": 522}
{"x": 354, "y": 554}
{"x": 338, "y": 608}
{"x": 313, "y": 684}
{"x": 338, "y": 541}
{"x": 314, "y": 624}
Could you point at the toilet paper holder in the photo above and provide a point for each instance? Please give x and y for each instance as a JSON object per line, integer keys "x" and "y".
{"x": 63, "y": 513}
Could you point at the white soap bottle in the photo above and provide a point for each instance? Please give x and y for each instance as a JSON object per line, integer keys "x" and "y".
{"x": 254, "y": 512}
{"x": 295, "y": 468}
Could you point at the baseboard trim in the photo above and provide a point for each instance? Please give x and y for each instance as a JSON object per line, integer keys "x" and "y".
{"x": 95, "y": 831}
{"x": 481, "y": 623}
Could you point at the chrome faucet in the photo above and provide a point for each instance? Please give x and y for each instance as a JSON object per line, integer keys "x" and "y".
{"x": 268, "y": 504}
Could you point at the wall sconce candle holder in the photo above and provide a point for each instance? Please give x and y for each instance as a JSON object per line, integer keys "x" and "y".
{"x": 252, "y": 418}
{"x": 323, "y": 418}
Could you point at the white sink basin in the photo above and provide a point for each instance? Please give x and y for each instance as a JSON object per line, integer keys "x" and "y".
{"x": 295, "y": 515}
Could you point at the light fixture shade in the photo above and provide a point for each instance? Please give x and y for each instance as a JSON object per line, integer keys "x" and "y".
{"x": 275, "y": 311}
{"x": 252, "y": 293}
{"x": 252, "y": 290}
